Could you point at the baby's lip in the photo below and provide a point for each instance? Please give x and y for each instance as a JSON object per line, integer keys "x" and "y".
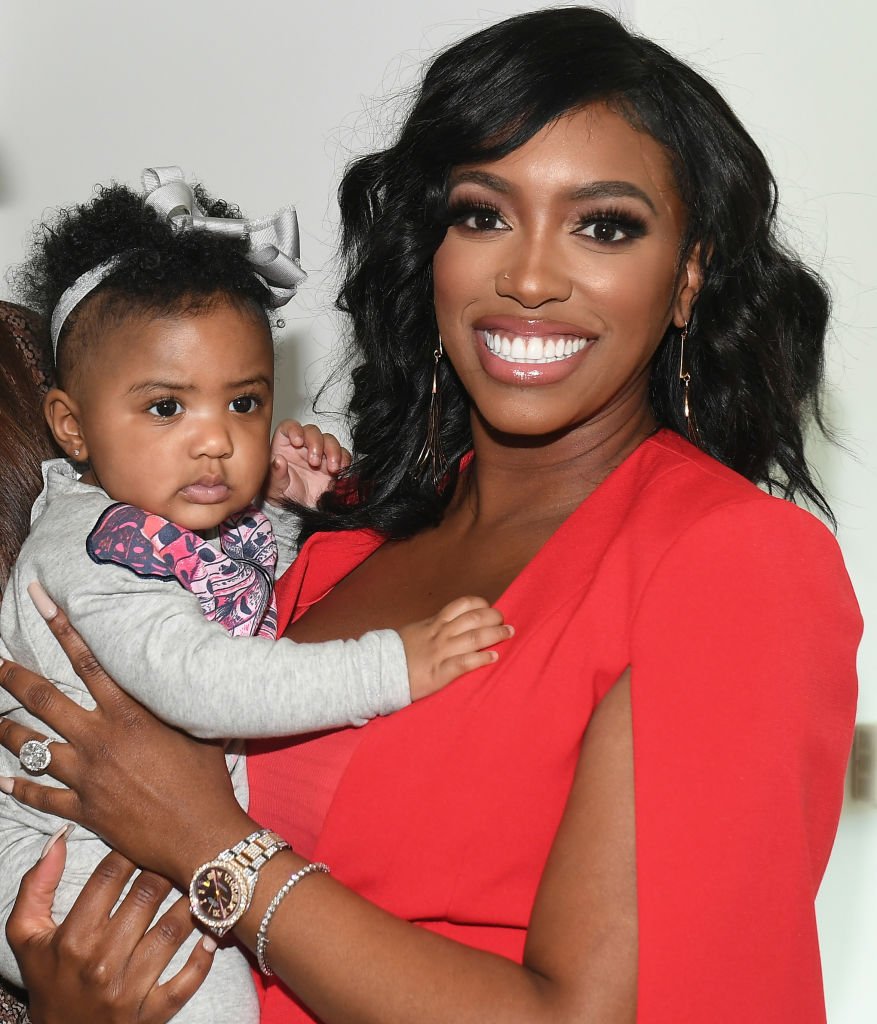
{"x": 208, "y": 490}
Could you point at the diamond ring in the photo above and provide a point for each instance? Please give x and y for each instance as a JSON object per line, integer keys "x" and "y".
{"x": 35, "y": 756}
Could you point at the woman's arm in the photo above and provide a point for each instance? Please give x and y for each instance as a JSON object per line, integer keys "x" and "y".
{"x": 347, "y": 959}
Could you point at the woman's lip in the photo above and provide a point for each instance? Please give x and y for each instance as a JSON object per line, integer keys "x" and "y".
{"x": 527, "y": 374}
{"x": 206, "y": 493}
{"x": 532, "y": 328}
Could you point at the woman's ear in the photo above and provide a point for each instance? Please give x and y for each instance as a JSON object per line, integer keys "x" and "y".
{"x": 688, "y": 287}
{"x": 62, "y": 414}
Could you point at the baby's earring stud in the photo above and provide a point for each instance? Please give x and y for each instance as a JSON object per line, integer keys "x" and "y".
{"x": 76, "y": 452}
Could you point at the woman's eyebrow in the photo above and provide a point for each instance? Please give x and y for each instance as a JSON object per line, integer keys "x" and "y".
{"x": 491, "y": 181}
{"x": 612, "y": 190}
{"x": 593, "y": 190}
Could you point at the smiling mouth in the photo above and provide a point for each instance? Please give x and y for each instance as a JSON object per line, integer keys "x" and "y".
{"x": 512, "y": 348}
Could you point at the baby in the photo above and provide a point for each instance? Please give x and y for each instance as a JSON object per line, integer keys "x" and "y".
{"x": 154, "y": 536}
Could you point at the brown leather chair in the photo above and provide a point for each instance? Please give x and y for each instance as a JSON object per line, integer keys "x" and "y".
{"x": 25, "y": 376}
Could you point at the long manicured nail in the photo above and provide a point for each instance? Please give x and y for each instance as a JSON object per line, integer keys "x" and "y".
{"x": 64, "y": 831}
{"x": 209, "y": 943}
{"x": 6, "y": 784}
{"x": 41, "y": 601}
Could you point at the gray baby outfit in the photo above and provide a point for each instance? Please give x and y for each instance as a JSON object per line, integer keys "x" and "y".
{"x": 152, "y": 636}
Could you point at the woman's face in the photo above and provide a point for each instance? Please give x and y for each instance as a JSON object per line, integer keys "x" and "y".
{"x": 559, "y": 275}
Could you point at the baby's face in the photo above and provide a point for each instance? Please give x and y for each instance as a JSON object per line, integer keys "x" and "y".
{"x": 176, "y": 414}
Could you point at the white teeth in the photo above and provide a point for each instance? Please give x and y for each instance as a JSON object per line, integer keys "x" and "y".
{"x": 532, "y": 350}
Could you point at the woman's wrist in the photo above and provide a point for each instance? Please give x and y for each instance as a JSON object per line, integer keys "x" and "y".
{"x": 205, "y": 842}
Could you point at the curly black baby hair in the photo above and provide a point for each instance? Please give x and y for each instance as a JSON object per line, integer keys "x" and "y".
{"x": 161, "y": 271}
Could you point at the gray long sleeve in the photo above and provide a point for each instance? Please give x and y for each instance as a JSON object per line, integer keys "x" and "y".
{"x": 151, "y": 635}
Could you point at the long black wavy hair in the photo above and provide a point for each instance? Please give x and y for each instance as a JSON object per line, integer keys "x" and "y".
{"x": 162, "y": 271}
{"x": 755, "y": 347}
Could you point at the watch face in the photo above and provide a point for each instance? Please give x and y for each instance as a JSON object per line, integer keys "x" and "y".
{"x": 217, "y": 893}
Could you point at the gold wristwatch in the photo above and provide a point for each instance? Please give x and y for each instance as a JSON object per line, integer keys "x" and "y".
{"x": 221, "y": 889}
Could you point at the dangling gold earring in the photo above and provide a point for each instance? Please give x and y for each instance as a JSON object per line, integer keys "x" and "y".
{"x": 432, "y": 453}
{"x": 685, "y": 378}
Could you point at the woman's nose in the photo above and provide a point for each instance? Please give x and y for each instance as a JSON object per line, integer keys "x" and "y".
{"x": 533, "y": 272}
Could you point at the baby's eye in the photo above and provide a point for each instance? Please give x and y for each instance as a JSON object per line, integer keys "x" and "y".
{"x": 244, "y": 403}
{"x": 165, "y": 408}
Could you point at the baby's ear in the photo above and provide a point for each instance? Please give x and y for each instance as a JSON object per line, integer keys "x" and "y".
{"x": 62, "y": 414}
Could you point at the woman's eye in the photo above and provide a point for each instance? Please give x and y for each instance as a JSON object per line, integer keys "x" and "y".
{"x": 484, "y": 220}
{"x": 605, "y": 231}
{"x": 479, "y": 218}
{"x": 610, "y": 228}
{"x": 165, "y": 408}
{"x": 244, "y": 403}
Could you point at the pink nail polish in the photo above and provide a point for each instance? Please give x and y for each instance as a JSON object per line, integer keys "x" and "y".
{"x": 41, "y": 601}
{"x": 209, "y": 943}
{"x": 50, "y": 842}
{"x": 6, "y": 784}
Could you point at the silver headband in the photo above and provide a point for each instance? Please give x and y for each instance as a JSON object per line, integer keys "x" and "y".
{"x": 273, "y": 243}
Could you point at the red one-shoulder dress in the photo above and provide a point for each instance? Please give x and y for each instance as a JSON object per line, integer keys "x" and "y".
{"x": 735, "y": 613}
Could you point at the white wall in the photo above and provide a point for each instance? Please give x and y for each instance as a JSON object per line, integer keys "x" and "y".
{"x": 266, "y": 100}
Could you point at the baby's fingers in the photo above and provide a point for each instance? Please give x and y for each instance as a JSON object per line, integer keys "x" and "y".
{"x": 460, "y": 607}
{"x": 459, "y": 664}
{"x": 288, "y": 432}
{"x": 337, "y": 458}
{"x": 474, "y": 618}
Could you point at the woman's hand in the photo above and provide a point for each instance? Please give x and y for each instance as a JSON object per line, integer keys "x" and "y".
{"x": 118, "y": 757}
{"x": 97, "y": 967}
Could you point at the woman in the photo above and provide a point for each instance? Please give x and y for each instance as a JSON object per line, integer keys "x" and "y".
{"x": 566, "y": 264}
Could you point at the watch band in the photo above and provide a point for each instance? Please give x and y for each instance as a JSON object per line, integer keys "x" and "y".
{"x": 254, "y": 851}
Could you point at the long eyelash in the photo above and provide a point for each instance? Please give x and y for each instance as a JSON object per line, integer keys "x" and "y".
{"x": 631, "y": 224}
{"x": 459, "y": 209}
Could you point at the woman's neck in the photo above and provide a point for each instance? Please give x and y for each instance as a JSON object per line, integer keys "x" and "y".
{"x": 527, "y": 481}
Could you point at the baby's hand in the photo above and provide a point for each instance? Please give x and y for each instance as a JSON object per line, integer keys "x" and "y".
{"x": 304, "y": 463}
{"x": 450, "y": 643}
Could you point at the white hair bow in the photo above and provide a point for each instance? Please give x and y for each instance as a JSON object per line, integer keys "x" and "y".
{"x": 273, "y": 241}
{"x": 273, "y": 244}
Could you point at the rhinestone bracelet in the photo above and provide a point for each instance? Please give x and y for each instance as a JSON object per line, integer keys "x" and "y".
{"x": 284, "y": 890}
